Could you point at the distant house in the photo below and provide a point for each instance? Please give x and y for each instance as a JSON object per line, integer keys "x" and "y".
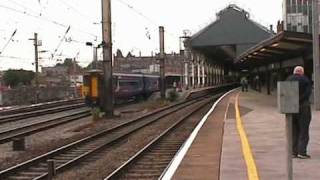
{"x": 54, "y": 76}
{"x": 60, "y": 75}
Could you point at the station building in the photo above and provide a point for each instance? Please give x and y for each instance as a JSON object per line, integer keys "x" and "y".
{"x": 210, "y": 53}
{"x": 297, "y": 15}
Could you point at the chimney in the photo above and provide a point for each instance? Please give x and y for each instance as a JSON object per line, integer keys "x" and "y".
{"x": 280, "y": 26}
{"x": 181, "y": 52}
{"x": 271, "y": 27}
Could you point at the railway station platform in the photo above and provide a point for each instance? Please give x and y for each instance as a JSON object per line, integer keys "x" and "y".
{"x": 251, "y": 146}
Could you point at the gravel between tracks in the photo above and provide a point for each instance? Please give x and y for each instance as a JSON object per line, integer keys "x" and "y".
{"x": 110, "y": 159}
{"x": 45, "y": 141}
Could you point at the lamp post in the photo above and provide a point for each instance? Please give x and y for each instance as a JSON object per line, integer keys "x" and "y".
{"x": 36, "y": 59}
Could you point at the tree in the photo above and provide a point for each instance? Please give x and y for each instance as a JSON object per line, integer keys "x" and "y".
{"x": 14, "y": 78}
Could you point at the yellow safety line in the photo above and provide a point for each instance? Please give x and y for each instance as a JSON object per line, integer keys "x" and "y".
{"x": 246, "y": 149}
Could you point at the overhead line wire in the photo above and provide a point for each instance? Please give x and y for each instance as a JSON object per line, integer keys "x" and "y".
{"x": 77, "y": 11}
{"x": 14, "y": 57}
{"x": 144, "y": 16}
{"x": 21, "y": 5}
{"x": 138, "y": 12}
{"x": 10, "y": 39}
{"x": 45, "y": 19}
{"x": 62, "y": 39}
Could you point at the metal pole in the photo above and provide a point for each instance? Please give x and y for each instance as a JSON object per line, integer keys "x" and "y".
{"x": 107, "y": 97}
{"x": 51, "y": 169}
{"x": 75, "y": 77}
{"x": 162, "y": 64}
{"x": 203, "y": 74}
{"x": 186, "y": 66}
{"x": 316, "y": 63}
{"x": 198, "y": 72}
{"x": 36, "y": 65}
{"x": 186, "y": 75}
{"x": 289, "y": 145}
{"x": 95, "y": 57}
{"x": 192, "y": 74}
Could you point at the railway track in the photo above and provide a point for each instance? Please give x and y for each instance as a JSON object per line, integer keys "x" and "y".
{"x": 20, "y": 116}
{"x": 9, "y": 135}
{"x": 152, "y": 160}
{"x": 68, "y": 156}
{"x": 39, "y": 106}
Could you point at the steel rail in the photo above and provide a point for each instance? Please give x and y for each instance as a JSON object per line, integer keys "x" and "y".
{"x": 40, "y": 106}
{"x": 9, "y": 135}
{"x": 17, "y": 117}
{"x": 68, "y": 155}
{"x": 15, "y": 169}
{"x": 125, "y": 166}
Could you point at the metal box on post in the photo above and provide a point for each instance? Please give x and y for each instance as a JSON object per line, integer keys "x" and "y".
{"x": 288, "y": 97}
{"x": 288, "y": 103}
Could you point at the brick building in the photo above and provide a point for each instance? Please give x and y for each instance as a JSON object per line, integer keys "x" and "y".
{"x": 148, "y": 64}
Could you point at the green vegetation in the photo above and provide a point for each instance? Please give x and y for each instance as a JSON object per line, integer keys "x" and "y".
{"x": 173, "y": 95}
{"x": 15, "y": 78}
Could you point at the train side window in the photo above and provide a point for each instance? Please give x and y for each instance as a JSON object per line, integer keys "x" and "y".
{"x": 124, "y": 83}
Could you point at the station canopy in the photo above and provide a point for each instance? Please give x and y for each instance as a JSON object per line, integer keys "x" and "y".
{"x": 283, "y": 46}
{"x": 230, "y": 35}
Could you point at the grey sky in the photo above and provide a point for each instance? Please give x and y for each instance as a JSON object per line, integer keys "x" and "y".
{"x": 134, "y": 21}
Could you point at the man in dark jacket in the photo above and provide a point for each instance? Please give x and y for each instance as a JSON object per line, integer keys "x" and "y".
{"x": 301, "y": 120}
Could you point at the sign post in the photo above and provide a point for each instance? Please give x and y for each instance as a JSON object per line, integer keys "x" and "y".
{"x": 288, "y": 103}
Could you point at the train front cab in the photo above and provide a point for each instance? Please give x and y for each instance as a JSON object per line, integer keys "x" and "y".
{"x": 91, "y": 88}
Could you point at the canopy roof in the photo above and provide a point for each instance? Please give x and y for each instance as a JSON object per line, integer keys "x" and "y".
{"x": 285, "y": 45}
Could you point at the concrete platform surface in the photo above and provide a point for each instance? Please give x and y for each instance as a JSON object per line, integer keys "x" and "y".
{"x": 263, "y": 128}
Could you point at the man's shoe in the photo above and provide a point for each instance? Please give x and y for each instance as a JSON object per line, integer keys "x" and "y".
{"x": 304, "y": 156}
{"x": 294, "y": 156}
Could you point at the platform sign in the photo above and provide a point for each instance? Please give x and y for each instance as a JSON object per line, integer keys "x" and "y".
{"x": 288, "y": 97}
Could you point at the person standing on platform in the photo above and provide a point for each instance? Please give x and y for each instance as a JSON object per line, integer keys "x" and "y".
{"x": 257, "y": 83}
{"x": 174, "y": 85}
{"x": 244, "y": 83}
{"x": 301, "y": 120}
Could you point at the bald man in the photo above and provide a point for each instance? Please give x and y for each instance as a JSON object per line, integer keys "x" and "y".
{"x": 301, "y": 120}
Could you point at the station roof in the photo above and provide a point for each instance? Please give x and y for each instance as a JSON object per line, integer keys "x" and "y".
{"x": 232, "y": 33}
{"x": 284, "y": 45}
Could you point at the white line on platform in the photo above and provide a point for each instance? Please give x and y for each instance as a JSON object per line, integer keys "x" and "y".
{"x": 171, "y": 169}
